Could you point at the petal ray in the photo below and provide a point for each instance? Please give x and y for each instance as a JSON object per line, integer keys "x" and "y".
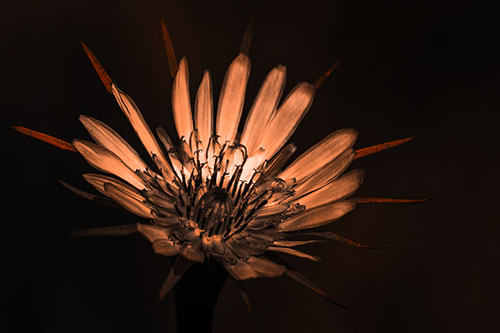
{"x": 232, "y": 98}
{"x": 181, "y": 104}
{"x": 287, "y": 118}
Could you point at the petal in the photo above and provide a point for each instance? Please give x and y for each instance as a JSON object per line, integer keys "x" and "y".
{"x": 317, "y": 217}
{"x": 263, "y": 108}
{"x": 128, "y": 201}
{"x": 339, "y": 189}
{"x": 287, "y": 118}
{"x": 320, "y": 154}
{"x": 152, "y": 233}
{"x": 327, "y": 174}
{"x": 104, "y": 160}
{"x": 165, "y": 247}
{"x": 98, "y": 181}
{"x": 265, "y": 267}
{"x": 232, "y": 97}
{"x": 255, "y": 267}
{"x": 181, "y": 104}
{"x": 181, "y": 266}
{"x": 294, "y": 252}
{"x": 204, "y": 109}
{"x": 140, "y": 126}
{"x": 109, "y": 139}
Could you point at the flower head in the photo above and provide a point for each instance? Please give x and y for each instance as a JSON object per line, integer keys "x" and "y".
{"x": 222, "y": 195}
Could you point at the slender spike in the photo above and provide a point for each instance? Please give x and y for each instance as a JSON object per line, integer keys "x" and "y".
{"x": 105, "y": 78}
{"x": 169, "y": 49}
{"x": 45, "y": 138}
{"x": 383, "y": 146}
{"x": 247, "y": 39}
{"x": 298, "y": 277}
{"x": 180, "y": 267}
{"x": 327, "y": 235}
{"x": 301, "y": 279}
{"x": 240, "y": 286}
{"x": 121, "y": 230}
{"x": 389, "y": 200}
{"x": 323, "y": 77}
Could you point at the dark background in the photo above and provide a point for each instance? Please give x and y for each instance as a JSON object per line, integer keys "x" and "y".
{"x": 408, "y": 69}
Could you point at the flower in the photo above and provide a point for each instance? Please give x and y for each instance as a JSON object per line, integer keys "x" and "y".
{"x": 222, "y": 195}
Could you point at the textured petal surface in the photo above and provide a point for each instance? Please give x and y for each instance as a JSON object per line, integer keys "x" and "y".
{"x": 204, "y": 109}
{"x": 326, "y": 174}
{"x": 98, "y": 181}
{"x": 232, "y": 98}
{"x": 104, "y": 160}
{"x": 287, "y": 118}
{"x": 320, "y": 154}
{"x": 263, "y": 108}
{"x": 181, "y": 103}
{"x": 127, "y": 201}
{"x": 109, "y": 139}
{"x": 140, "y": 126}
{"x": 317, "y": 217}
{"x": 336, "y": 190}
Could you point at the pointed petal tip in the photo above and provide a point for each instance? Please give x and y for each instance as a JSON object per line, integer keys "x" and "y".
{"x": 169, "y": 49}
{"x": 362, "y": 152}
{"x": 103, "y": 75}
{"x": 323, "y": 77}
{"x": 247, "y": 38}
{"x": 61, "y": 144}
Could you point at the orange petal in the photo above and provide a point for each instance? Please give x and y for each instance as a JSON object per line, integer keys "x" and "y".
{"x": 172, "y": 60}
{"x": 383, "y": 146}
{"x": 45, "y": 138}
{"x": 105, "y": 78}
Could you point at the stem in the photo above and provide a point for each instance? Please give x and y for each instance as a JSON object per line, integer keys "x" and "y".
{"x": 196, "y": 296}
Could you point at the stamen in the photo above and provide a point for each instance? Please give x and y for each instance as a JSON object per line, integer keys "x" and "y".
{"x": 45, "y": 138}
{"x": 383, "y": 146}
{"x": 169, "y": 49}
{"x": 105, "y": 78}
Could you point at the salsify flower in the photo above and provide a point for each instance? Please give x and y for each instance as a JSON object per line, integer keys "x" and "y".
{"x": 222, "y": 195}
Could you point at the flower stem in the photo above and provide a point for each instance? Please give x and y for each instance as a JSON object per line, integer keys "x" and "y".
{"x": 196, "y": 296}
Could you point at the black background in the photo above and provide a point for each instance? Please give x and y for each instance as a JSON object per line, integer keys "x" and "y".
{"x": 408, "y": 69}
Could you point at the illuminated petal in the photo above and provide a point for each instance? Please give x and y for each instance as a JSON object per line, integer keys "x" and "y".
{"x": 104, "y": 160}
{"x": 181, "y": 104}
{"x": 139, "y": 124}
{"x": 109, "y": 139}
{"x": 327, "y": 174}
{"x": 320, "y": 154}
{"x": 128, "y": 201}
{"x": 98, "y": 181}
{"x": 232, "y": 98}
{"x": 317, "y": 217}
{"x": 263, "y": 108}
{"x": 336, "y": 190}
{"x": 287, "y": 118}
{"x": 204, "y": 109}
